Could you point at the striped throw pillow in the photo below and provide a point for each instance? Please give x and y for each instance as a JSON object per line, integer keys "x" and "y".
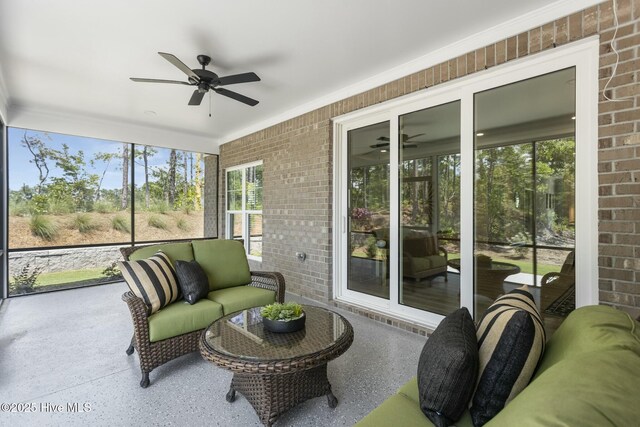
{"x": 152, "y": 279}
{"x": 511, "y": 342}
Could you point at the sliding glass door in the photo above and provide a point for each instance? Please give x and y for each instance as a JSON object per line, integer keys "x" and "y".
{"x": 524, "y": 198}
{"x": 368, "y": 208}
{"x": 458, "y": 195}
{"x": 429, "y": 206}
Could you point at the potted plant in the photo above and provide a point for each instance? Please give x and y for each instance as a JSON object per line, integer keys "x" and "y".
{"x": 287, "y": 317}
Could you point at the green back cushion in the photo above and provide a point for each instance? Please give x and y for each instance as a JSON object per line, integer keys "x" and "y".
{"x": 224, "y": 262}
{"x": 588, "y": 329}
{"x": 588, "y": 375}
{"x": 175, "y": 252}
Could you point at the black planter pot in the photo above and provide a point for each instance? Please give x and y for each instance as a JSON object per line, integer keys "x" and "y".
{"x": 280, "y": 326}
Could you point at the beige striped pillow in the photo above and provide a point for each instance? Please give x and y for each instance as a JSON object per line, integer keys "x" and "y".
{"x": 152, "y": 279}
{"x": 511, "y": 341}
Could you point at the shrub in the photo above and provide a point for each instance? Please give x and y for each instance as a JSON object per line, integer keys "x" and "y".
{"x": 60, "y": 206}
{"x": 84, "y": 223}
{"x": 157, "y": 222}
{"x": 160, "y": 207}
{"x": 112, "y": 272}
{"x": 25, "y": 281}
{"x": 371, "y": 249}
{"x": 43, "y": 227}
{"x": 103, "y": 207}
{"x": 183, "y": 224}
{"x": 120, "y": 223}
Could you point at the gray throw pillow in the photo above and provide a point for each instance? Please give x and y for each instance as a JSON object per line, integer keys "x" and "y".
{"x": 448, "y": 369}
{"x": 192, "y": 280}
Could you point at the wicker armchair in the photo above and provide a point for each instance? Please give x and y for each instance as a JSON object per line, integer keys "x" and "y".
{"x": 555, "y": 284}
{"x": 154, "y": 354}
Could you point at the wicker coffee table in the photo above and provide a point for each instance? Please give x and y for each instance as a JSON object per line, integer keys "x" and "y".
{"x": 274, "y": 371}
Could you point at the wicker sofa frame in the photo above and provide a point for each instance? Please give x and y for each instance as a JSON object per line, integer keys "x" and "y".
{"x": 154, "y": 354}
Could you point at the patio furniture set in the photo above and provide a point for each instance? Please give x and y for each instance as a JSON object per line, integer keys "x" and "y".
{"x": 273, "y": 371}
{"x": 277, "y": 371}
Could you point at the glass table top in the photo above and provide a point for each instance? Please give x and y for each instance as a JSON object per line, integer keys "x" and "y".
{"x": 242, "y": 335}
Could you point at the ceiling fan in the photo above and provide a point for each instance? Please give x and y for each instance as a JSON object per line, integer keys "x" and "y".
{"x": 405, "y": 141}
{"x": 206, "y": 80}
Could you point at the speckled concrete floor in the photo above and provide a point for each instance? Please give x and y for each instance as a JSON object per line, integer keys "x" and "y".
{"x": 69, "y": 347}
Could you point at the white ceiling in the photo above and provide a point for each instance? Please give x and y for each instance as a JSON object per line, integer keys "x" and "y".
{"x": 73, "y": 59}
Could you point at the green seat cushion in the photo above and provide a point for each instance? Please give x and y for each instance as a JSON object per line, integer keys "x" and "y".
{"x": 242, "y": 297}
{"x": 181, "y": 318}
{"x": 175, "y": 252}
{"x": 589, "y": 329}
{"x": 398, "y": 410}
{"x": 224, "y": 262}
{"x": 437, "y": 261}
{"x": 595, "y": 389}
{"x": 410, "y": 391}
{"x": 421, "y": 264}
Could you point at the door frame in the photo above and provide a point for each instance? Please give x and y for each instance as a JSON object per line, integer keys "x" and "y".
{"x": 584, "y": 56}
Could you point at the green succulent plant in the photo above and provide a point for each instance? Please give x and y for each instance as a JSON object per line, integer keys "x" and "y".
{"x": 283, "y": 312}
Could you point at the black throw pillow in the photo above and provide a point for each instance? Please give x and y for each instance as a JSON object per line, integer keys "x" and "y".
{"x": 448, "y": 369}
{"x": 511, "y": 340}
{"x": 192, "y": 280}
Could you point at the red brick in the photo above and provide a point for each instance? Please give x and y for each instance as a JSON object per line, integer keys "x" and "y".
{"x": 590, "y": 21}
{"x": 562, "y": 31}
{"x": 625, "y": 165}
{"x": 575, "y": 26}
{"x": 523, "y": 44}
{"x": 548, "y": 35}
{"x": 535, "y": 40}
{"x": 616, "y": 154}
{"x": 512, "y": 48}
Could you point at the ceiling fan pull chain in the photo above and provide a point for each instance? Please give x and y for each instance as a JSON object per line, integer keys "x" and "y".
{"x": 209, "y": 103}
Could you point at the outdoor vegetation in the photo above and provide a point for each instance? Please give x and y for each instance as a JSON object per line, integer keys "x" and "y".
{"x": 524, "y": 194}
{"x": 70, "y": 191}
{"x": 63, "y": 195}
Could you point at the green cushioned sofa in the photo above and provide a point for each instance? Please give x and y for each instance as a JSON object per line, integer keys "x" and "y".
{"x": 174, "y": 330}
{"x": 589, "y": 376}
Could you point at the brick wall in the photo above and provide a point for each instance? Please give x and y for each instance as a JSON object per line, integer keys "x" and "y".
{"x": 297, "y": 156}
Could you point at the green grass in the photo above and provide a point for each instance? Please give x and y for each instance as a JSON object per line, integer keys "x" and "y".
{"x": 84, "y": 223}
{"x": 526, "y": 266}
{"x": 68, "y": 277}
{"x": 120, "y": 223}
{"x": 43, "y": 227}
{"x": 157, "y": 222}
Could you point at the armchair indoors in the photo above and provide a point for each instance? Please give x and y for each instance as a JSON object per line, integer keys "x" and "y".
{"x": 555, "y": 284}
{"x": 422, "y": 257}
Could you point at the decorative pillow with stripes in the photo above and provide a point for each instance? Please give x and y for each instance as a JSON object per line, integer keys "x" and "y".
{"x": 511, "y": 342}
{"x": 152, "y": 279}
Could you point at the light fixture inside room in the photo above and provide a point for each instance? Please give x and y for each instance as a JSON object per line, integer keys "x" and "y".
{"x": 383, "y": 151}
{"x": 479, "y": 134}
{"x": 573, "y": 117}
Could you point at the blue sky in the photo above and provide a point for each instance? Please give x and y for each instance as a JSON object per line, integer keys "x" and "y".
{"x": 21, "y": 171}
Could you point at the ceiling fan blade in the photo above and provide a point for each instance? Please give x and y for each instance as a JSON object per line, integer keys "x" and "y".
{"x": 383, "y": 138}
{"x": 382, "y": 144}
{"x": 236, "y": 96}
{"x": 181, "y": 65}
{"x": 412, "y": 136}
{"x": 176, "y": 82}
{"x": 239, "y": 78}
{"x": 196, "y": 98}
